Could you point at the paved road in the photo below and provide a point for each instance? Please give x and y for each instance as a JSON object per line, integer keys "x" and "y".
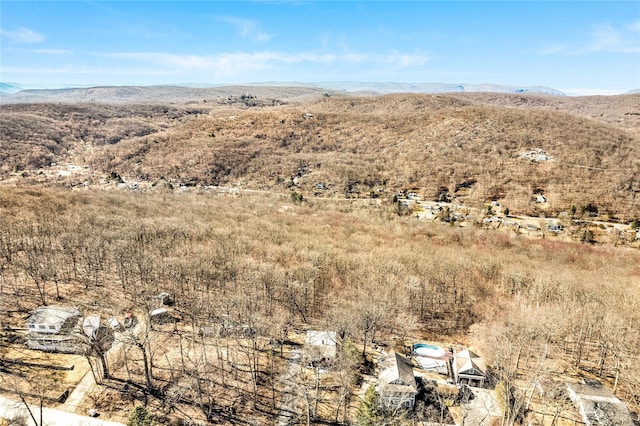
{"x": 87, "y": 383}
{"x": 288, "y": 408}
{"x": 14, "y": 410}
{"x": 74, "y": 399}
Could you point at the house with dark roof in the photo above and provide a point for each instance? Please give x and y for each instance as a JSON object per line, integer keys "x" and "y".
{"x": 396, "y": 383}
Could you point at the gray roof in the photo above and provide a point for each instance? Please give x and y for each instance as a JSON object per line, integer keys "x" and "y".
{"x": 396, "y": 371}
{"x": 323, "y": 338}
{"x": 321, "y": 344}
{"x": 468, "y": 363}
{"x": 52, "y": 315}
{"x": 598, "y": 406}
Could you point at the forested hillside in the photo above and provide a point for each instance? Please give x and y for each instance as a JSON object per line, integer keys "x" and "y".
{"x": 208, "y": 240}
{"x": 436, "y": 145}
{"x": 280, "y": 268}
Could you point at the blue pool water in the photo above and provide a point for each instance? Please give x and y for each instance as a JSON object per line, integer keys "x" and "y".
{"x": 424, "y": 349}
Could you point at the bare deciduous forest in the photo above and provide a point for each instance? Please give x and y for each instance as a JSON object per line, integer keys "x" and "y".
{"x": 248, "y": 274}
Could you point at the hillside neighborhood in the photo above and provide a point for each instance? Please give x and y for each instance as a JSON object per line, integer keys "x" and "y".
{"x": 459, "y": 380}
{"x": 370, "y": 260}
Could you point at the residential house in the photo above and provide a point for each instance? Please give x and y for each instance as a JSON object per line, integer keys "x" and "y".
{"x": 469, "y": 368}
{"x": 51, "y": 319}
{"x": 320, "y": 345}
{"x": 396, "y": 383}
{"x": 59, "y": 329}
{"x": 555, "y": 227}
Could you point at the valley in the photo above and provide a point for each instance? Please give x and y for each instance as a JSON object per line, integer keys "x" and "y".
{"x": 236, "y": 225}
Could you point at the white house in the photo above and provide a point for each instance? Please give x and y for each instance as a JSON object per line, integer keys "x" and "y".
{"x": 58, "y": 329}
{"x": 51, "y": 319}
{"x": 320, "y": 345}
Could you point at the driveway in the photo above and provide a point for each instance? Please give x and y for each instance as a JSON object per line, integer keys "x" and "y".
{"x": 482, "y": 410}
{"x": 288, "y": 408}
{"x": 15, "y": 410}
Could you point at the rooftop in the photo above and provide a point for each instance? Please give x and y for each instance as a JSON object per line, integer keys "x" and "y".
{"x": 54, "y": 316}
{"x": 395, "y": 370}
{"x": 598, "y": 406}
{"x": 467, "y": 362}
{"x": 324, "y": 338}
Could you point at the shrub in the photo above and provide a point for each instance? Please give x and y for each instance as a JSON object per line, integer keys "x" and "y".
{"x": 140, "y": 416}
{"x": 296, "y": 197}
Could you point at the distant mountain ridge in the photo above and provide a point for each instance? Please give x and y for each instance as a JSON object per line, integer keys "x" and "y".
{"x": 13, "y": 92}
{"x": 396, "y": 87}
{"x": 155, "y": 94}
{"x": 9, "y": 88}
{"x": 281, "y": 90}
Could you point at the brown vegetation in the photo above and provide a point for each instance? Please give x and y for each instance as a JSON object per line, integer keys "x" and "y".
{"x": 358, "y": 270}
{"x": 250, "y": 272}
{"x": 437, "y": 145}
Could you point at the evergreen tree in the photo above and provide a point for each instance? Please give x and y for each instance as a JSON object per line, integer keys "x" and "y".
{"x": 140, "y": 416}
{"x": 369, "y": 412}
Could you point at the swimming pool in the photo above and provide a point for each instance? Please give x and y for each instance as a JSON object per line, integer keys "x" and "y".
{"x": 423, "y": 349}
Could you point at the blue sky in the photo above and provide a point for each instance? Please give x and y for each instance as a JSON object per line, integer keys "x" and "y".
{"x": 583, "y": 47}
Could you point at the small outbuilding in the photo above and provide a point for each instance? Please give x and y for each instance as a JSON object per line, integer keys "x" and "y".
{"x": 320, "y": 345}
{"x": 469, "y": 368}
{"x": 160, "y": 316}
{"x": 396, "y": 383}
{"x": 163, "y": 299}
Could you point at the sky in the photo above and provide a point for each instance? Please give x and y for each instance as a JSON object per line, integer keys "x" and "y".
{"x": 590, "y": 47}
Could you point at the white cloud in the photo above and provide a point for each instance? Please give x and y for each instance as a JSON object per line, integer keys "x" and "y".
{"x": 166, "y": 60}
{"x": 355, "y": 58}
{"x": 318, "y": 58}
{"x": 403, "y": 60}
{"x": 53, "y": 51}
{"x": 603, "y": 38}
{"x": 554, "y": 48}
{"x": 69, "y": 69}
{"x": 264, "y": 37}
{"x": 247, "y": 28}
{"x": 22, "y": 35}
{"x": 241, "y": 62}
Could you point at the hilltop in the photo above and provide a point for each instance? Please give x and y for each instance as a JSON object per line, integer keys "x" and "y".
{"x": 463, "y": 147}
